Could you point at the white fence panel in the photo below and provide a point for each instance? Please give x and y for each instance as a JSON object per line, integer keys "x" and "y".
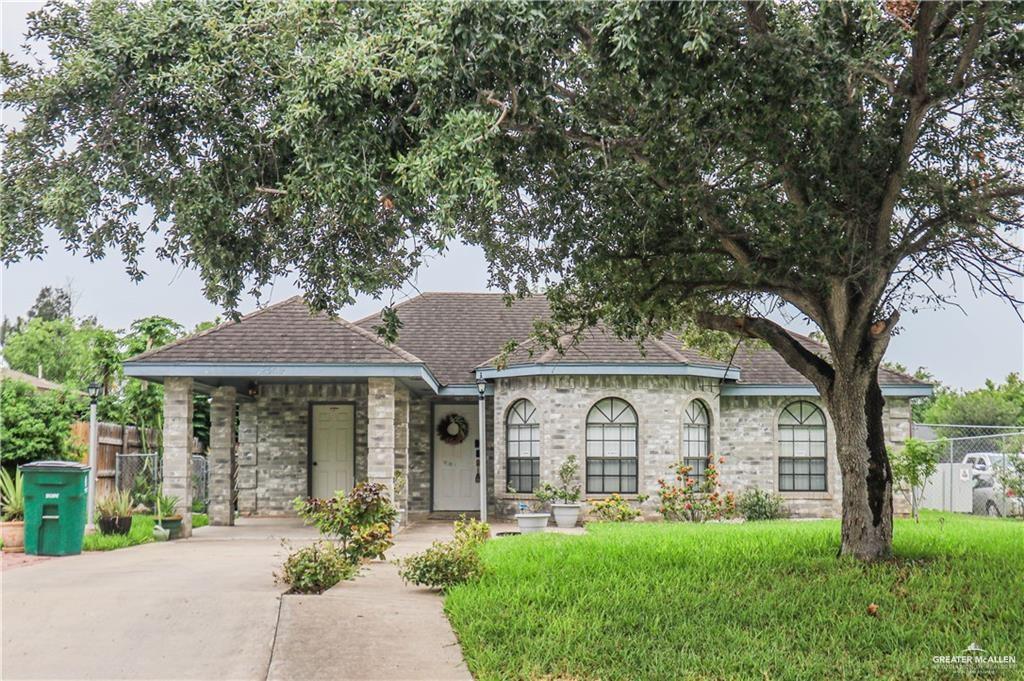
{"x": 950, "y": 489}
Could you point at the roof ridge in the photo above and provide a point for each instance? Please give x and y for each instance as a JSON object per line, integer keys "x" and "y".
{"x": 393, "y": 307}
{"x": 391, "y": 347}
{"x": 672, "y": 352}
{"x": 213, "y": 329}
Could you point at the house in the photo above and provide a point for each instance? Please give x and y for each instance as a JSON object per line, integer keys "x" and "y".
{"x": 322, "y": 403}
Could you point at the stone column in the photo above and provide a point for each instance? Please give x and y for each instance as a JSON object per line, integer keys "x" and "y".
{"x": 177, "y": 440}
{"x": 380, "y": 464}
{"x": 402, "y": 445}
{"x": 222, "y": 456}
{"x": 247, "y": 457}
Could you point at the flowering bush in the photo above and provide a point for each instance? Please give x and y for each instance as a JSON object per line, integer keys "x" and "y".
{"x": 360, "y": 521}
{"x": 615, "y": 509}
{"x": 687, "y": 499}
{"x": 316, "y": 568}
{"x": 446, "y": 564}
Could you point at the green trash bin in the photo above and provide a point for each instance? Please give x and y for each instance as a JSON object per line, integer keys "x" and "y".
{"x": 56, "y": 501}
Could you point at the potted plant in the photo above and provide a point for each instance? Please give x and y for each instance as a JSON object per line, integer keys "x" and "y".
{"x": 565, "y": 497}
{"x": 12, "y": 497}
{"x": 529, "y": 519}
{"x": 166, "y": 516}
{"x": 115, "y": 513}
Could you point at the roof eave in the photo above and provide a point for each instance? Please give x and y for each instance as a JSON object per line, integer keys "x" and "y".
{"x": 297, "y": 370}
{"x": 803, "y": 390}
{"x": 609, "y": 369}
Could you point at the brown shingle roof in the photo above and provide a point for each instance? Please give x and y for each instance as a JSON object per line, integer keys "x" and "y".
{"x": 453, "y": 334}
{"x": 284, "y": 332}
{"x": 760, "y": 365}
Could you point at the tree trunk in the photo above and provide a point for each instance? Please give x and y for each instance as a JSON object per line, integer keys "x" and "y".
{"x": 855, "y": 404}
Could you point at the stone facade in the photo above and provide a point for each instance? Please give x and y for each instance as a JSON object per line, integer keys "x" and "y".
{"x": 395, "y": 430}
{"x": 177, "y": 442}
{"x": 743, "y": 430}
{"x": 222, "y": 456}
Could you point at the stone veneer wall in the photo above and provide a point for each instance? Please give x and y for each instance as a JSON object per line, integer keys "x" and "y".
{"x": 743, "y": 429}
{"x": 562, "y": 404}
{"x": 273, "y": 434}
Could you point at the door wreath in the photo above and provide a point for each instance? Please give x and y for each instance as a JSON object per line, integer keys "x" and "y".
{"x": 453, "y": 429}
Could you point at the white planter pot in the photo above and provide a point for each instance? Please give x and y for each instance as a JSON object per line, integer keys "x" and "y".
{"x": 566, "y": 515}
{"x": 532, "y": 523}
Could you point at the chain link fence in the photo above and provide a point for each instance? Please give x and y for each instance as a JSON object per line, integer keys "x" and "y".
{"x": 976, "y": 464}
{"x": 139, "y": 474}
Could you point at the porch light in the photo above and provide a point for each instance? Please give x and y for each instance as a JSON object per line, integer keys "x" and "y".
{"x": 481, "y": 386}
{"x": 94, "y": 390}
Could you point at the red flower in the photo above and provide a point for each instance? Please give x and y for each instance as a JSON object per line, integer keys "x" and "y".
{"x": 721, "y": 459}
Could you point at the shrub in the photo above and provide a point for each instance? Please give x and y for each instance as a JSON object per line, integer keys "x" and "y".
{"x": 446, "y": 564}
{"x": 756, "y": 504}
{"x": 912, "y": 465}
{"x": 166, "y": 506}
{"x": 115, "y": 505}
{"x": 568, "y": 489}
{"x": 687, "y": 499}
{"x": 12, "y": 496}
{"x": 360, "y": 521}
{"x": 614, "y": 509}
{"x": 36, "y": 425}
{"x": 316, "y": 568}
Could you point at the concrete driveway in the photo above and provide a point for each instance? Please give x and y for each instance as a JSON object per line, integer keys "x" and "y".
{"x": 208, "y": 608}
{"x": 205, "y": 608}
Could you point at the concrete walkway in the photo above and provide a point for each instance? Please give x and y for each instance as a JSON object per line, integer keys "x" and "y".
{"x": 208, "y": 608}
{"x": 374, "y": 627}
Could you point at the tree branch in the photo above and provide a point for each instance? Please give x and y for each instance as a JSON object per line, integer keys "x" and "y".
{"x": 816, "y": 369}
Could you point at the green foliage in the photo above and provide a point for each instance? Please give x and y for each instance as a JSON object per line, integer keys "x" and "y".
{"x": 12, "y": 495}
{"x": 756, "y": 504}
{"x": 686, "y": 498}
{"x": 200, "y": 520}
{"x": 140, "y": 533}
{"x": 913, "y": 464}
{"x": 70, "y": 352}
{"x": 614, "y": 509}
{"x": 167, "y": 506}
{"x": 567, "y": 491}
{"x": 314, "y": 569}
{"x": 1012, "y": 475}
{"x": 684, "y": 601}
{"x": 36, "y": 424}
{"x": 115, "y": 505}
{"x": 447, "y": 564}
{"x": 144, "y": 489}
{"x": 994, "y": 405}
{"x": 360, "y": 520}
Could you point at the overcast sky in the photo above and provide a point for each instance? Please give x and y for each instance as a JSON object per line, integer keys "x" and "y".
{"x": 962, "y": 348}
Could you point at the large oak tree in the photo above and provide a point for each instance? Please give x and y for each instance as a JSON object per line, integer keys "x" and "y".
{"x": 657, "y": 165}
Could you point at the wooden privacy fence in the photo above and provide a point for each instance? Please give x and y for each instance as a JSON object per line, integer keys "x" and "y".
{"x": 114, "y": 439}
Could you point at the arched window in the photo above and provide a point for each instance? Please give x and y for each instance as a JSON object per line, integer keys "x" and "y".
{"x": 522, "y": 442}
{"x": 696, "y": 439}
{"x": 802, "y": 448}
{"x": 611, "y": 447}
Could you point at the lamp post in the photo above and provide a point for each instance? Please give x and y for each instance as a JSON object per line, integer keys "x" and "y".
{"x": 94, "y": 390}
{"x": 481, "y": 387}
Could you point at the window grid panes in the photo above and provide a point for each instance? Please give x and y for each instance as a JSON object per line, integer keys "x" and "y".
{"x": 612, "y": 447}
{"x": 802, "y": 449}
{"x": 522, "y": 439}
{"x": 696, "y": 440}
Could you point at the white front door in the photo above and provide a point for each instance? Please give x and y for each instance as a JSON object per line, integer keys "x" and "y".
{"x": 456, "y": 486}
{"x": 332, "y": 448}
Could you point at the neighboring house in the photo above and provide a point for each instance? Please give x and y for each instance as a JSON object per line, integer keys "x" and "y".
{"x": 37, "y": 382}
{"x": 323, "y": 403}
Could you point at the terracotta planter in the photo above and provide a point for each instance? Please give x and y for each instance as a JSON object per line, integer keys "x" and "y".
{"x": 121, "y": 525}
{"x": 13, "y": 534}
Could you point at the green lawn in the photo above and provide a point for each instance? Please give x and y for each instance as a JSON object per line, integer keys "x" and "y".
{"x": 141, "y": 533}
{"x": 751, "y": 600}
